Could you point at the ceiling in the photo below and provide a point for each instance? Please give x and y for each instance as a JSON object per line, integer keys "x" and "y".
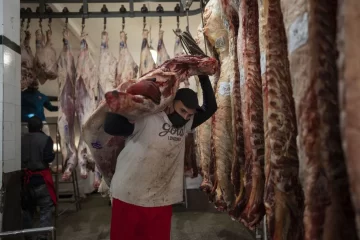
{"x": 94, "y": 27}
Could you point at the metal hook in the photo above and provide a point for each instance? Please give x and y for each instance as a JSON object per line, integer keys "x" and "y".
{"x": 28, "y": 10}
{"x": 123, "y": 24}
{"x": 144, "y": 9}
{"x": 160, "y": 9}
{"x": 66, "y": 10}
{"x": 177, "y": 9}
{"x": 123, "y": 10}
{"x": 82, "y": 25}
{"x": 104, "y": 10}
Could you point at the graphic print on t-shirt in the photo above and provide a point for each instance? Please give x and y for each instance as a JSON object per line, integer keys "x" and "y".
{"x": 172, "y": 133}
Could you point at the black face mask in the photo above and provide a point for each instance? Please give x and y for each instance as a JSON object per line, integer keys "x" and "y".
{"x": 177, "y": 120}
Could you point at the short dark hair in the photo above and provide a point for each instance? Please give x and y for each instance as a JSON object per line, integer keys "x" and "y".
{"x": 35, "y": 124}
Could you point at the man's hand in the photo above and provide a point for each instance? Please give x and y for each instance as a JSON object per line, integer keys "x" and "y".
{"x": 147, "y": 88}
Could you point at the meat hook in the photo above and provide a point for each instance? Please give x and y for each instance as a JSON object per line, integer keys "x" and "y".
{"x": 123, "y": 10}
{"x": 144, "y": 9}
{"x": 104, "y": 10}
{"x": 123, "y": 24}
{"x": 177, "y": 9}
{"x": 82, "y": 25}
{"x": 28, "y": 10}
{"x": 66, "y": 10}
{"x": 160, "y": 9}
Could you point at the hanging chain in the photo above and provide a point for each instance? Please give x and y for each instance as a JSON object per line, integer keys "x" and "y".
{"x": 104, "y": 24}
{"x": 123, "y": 24}
{"x": 144, "y": 22}
{"x": 104, "y": 10}
{"x": 28, "y": 24}
{"x": 82, "y": 26}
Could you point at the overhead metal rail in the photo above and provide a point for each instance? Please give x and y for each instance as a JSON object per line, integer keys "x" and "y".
{"x": 45, "y": 12}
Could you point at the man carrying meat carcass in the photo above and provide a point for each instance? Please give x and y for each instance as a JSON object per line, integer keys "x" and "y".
{"x": 149, "y": 170}
{"x": 38, "y": 187}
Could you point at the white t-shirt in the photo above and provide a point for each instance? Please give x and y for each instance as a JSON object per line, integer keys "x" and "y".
{"x": 149, "y": 170}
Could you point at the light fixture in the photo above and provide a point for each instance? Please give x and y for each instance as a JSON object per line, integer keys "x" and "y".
{"x": 56, "y": 147}
{"x": 153, "y": 54}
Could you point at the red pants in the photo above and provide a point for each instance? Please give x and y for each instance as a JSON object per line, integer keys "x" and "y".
{"x": 130, "y": 222}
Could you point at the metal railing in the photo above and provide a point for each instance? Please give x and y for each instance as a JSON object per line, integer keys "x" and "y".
{"x": 31, "y": 231}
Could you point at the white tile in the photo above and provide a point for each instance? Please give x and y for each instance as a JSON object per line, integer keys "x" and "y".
{"x": 1, "y": 51}
{"x": 11, "y": 20}
{"x": 8, "y": 150}
{"x": 9, "y": 59}
{"x": 9, "y": 131}
{"x": 17, "y": 116}
{"x": 17, "y": 163}
{"x": 9, "y": 112}
{"x": 10, "y": 94}
{"x": 9, "y": 166}
{"x": 17, "y": 71}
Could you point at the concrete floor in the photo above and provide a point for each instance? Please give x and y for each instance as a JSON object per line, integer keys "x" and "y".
{"x": 92, "y": 222}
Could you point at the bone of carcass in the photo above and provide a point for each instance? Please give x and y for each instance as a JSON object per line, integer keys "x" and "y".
{"x": 66, "y": 118}
{"x": 45, "y": 57}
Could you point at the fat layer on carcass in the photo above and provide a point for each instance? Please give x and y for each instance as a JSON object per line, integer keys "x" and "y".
{"x": 66, "y": 118}
{"x": 349, "y": 88}
{"x": 85, "y": 104}
{"x": 27, "y": 60}
{"x": 252, "y": 113}
{"x": 104, "y": 147}
{"x": 221, "y": 144}
{"x": 283, "y": 197}
{"x": 167, "y": 77}
{"x": 45, "y": 62}
{"x": 107, "y": 67}
{"x": 203, "y": 132}
{"x": 126, "y": 68}
{"x": 146, "y": 60}
{"x": 162, "y": 54}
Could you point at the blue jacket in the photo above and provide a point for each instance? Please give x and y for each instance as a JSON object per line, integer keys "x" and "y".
{"x": 33, "y": 103}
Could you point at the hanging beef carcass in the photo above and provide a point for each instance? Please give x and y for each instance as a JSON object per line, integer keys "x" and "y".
{"x": 66, "y": 118}
{"x": 126, "y": 68}
{"x": 349, "y": 87}
{"x": 27, "y": 60}
{"x": 222, "y": 131}
{"x": 190, "y": 165}
{"x": 178, "y": 48}
{"x": 283, "y": 197}
{"x": 132, "y": 102}
{"x": 45, "y": 62}
{"x": 162, "y": 54}
{"x": 146, "y": 60}
{"x": 328, "y": 212}
{"x": 252, "y": 114}
{"x": 85, "y": 104}
{"x": 203, "y": 136}
{"x": 107, "y": 67}
{"x": 127, "y": 102}
{"x": 104, "y": 147}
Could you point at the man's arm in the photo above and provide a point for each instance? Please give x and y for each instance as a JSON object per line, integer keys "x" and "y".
{"x": 209, "y": 102}
{"x": 49, "y": 106}
{"x": 117, "y": 125}
{"x": 48, "y": 154}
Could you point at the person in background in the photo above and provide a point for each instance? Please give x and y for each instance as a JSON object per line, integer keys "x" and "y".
{"x": 33, "y": 103}
{"x": 148, "y": 178}
{"x": 38, "y": 186}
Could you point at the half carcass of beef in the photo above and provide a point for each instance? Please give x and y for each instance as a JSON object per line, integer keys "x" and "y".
{"x": 252, "y": 114}
{"x": 349, "y": 89}
{"x": 162, "y": 54}
{"x": 45, "y": 61}
{"x": 147, "y": 62}
{"x": 66, "y": 118}
{"x": 167, "y": 77}
{"x": 190, "y": 164}
{"x": 283, "y": 197}
{"x": 107, "y": 67}
{"x": 27, "y": 61}
{"x": 328, "y": 212}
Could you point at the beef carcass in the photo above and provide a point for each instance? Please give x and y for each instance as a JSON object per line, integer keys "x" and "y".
{"x": 252, "y": 115}
{"x": 203, "y": 136}
{"x": 146, "y": 60}
{"x": 222, "y": 142}
{"x": 45, "y": 62}
{"x": 105, "y": 148}
{"x": 107, "y": 67}
{"x": 178, "y": 48}
{"x": 66, "y": 118}
{"x": 190, "y": 164}
{"x": 85, "y": 104}
{"x": 349, "y": 87}
{"x": 131, "y": 105}
{"x": 126, "y": 68}
{"x": 283, "y": 197}
{"x": 162, "y": 54}
{"x": 27, "y": 60}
